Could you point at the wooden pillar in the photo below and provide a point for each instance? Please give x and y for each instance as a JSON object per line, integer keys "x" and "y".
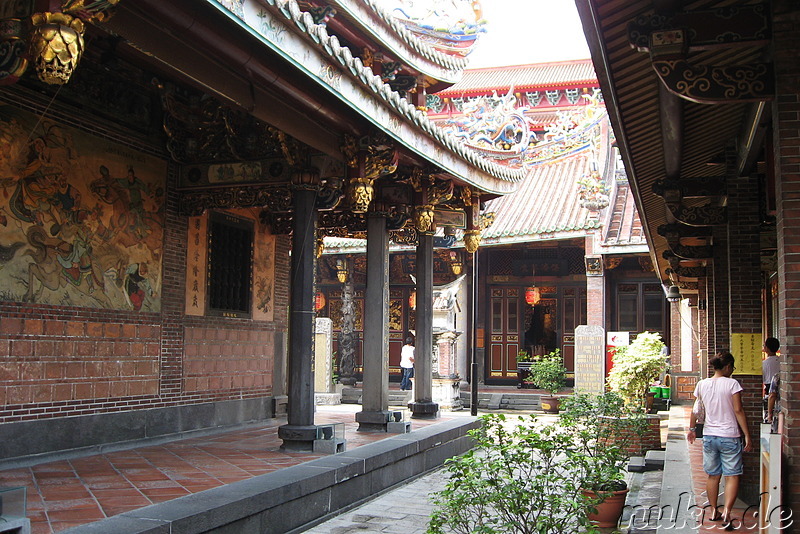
{"x": 299, "y": 433}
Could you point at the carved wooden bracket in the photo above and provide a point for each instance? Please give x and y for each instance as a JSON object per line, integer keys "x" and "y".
{"x": 274, "y": 199}
{"x": 687, "y": 252}
{"x": 669, "y": 39}
{"x": 706, "y": 186}
{"x": 687, "y": 272}
{"x": 705, "y": 84}
{"x": 743, "y": 25}
{"x": 674, "y": 232}
{"x": 706, "y": 215}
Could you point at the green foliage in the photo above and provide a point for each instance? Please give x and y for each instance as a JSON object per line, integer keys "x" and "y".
{"x": 636, "y": 366}
{"x": 525, "y": 478}
{"x": 603, "y": 428}
{"x": 548, "y": 372}
{"x": 524, "y": 356}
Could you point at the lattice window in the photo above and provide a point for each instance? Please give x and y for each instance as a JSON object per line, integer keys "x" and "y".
{"x": 534, "y": 98}
{"x": 573, "y": 95}
{"x": 230, "y": 263}
{"x": 553, "y": 96}
{"x": 434, "y": 103}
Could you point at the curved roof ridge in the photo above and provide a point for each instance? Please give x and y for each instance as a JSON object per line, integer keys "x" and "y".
{"x": 330, "y": 46}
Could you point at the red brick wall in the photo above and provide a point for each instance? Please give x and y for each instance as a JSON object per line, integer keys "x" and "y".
{"x": 684, "y": 387}
{"x": 63, "y": 361}
{"x": 786, "y": 146}
{"x": 219, "y": 359}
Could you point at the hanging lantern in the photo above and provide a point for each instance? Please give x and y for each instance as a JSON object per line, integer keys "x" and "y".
{"x": 56, "y": 45}
{"x": 472, "y": 240}
{"x": 455, "y": 262}
{"x": 319, "y": 301}
{"x": 532, "y": 296}
{"x": 412, "y": 300}
{"x": 423, "y": 219}
{"x": 341, "y": 271}
{"x": 361, "y": 192}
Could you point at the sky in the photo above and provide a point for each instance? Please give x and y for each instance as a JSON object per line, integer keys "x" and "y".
{"x": 529, "y": 31}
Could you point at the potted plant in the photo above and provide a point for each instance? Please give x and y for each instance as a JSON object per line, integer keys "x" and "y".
{"x": 548, "y": 373}
{"x": 524, "y": 361}
{"x": 524, "y": 478}
{"x": 604, "y": 430}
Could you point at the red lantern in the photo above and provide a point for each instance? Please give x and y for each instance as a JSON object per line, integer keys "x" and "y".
{"x": 532, "y": 295}
{"x": 319, "y": 301}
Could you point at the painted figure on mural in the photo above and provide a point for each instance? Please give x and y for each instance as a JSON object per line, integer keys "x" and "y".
{"x": 137, "y": 286}
{"x": 65, "y": 237}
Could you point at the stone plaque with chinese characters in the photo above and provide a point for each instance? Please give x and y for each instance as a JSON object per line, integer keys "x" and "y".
{"x": 590, "y": 352}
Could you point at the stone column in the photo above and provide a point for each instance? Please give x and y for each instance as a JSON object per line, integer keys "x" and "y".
{"x": 347, "y": 343}
{"x": 375, "y": 387}
{"x": 423, "y": 405}
{"x": 299, "y": 433}
{"x": 595, "y": 284}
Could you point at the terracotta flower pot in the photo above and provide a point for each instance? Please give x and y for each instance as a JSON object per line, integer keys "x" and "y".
{"x": 549, "y": 403}
{"x": 610, "y": 510}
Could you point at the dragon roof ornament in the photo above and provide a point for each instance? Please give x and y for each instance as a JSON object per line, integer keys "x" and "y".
{"x": 495, "y": 127}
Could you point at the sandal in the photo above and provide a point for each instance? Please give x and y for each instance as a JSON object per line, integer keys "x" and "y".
{"x": 730, "y": 525}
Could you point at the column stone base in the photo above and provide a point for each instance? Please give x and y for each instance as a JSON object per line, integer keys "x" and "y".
{"x": 297, "y": 438}
{"x": 424, "y": 410}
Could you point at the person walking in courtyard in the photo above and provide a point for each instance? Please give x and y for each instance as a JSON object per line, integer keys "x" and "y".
{"x": 725, "y": 424}
{"x": 407, "y": 364}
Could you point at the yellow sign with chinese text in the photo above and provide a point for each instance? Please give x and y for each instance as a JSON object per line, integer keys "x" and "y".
{"x": 746, "y": 348}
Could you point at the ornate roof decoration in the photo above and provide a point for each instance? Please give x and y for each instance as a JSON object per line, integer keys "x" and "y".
{"x": 574, "y": 130}
{"x": 495, "y": 127}
{"x": 450, "y": 26}
{"x": 329, "y": 45}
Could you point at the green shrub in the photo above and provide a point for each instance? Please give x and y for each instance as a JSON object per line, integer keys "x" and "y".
{"x": 548, "y": 372}
{"x": 636, "y": 366}
{"x": 525, "y": 479}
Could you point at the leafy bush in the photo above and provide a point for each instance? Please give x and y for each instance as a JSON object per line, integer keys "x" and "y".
{"x": 524, "y": 356}
{"x": 526, "y": 479}
{"x": 636, "y": 366}
{"x": 548, "y": 372}
{"x": 603, "y": 428}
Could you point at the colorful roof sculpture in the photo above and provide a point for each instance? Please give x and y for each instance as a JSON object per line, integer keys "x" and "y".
{"x": 450, "y": 26}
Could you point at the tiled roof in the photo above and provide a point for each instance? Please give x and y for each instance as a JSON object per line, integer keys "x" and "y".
{"x": 557, "y": 74}
{"x": 546, "y": 205}
{"x": 624, "y": 227}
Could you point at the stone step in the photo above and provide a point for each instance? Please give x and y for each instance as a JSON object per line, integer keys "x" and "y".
{"x": 654, "y": 460}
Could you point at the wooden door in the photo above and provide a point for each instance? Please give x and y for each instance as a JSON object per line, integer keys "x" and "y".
{"x": 504, "y": 331}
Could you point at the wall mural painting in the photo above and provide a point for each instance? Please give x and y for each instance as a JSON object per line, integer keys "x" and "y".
{"x": 81, "y": 218}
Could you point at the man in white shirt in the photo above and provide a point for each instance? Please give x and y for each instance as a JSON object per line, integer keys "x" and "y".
{"x": 407, "y": 364}
{"x": 724, "y": 425}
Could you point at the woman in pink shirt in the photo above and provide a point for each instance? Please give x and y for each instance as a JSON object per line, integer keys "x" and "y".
{"x": 724, "y": 426}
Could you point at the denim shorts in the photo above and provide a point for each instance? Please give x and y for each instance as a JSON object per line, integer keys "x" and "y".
{"x": 722, "y": 456}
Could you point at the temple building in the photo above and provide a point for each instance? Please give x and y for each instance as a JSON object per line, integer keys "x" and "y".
{"x": 566, "y": 249}
{"x": 169, "y": 170}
